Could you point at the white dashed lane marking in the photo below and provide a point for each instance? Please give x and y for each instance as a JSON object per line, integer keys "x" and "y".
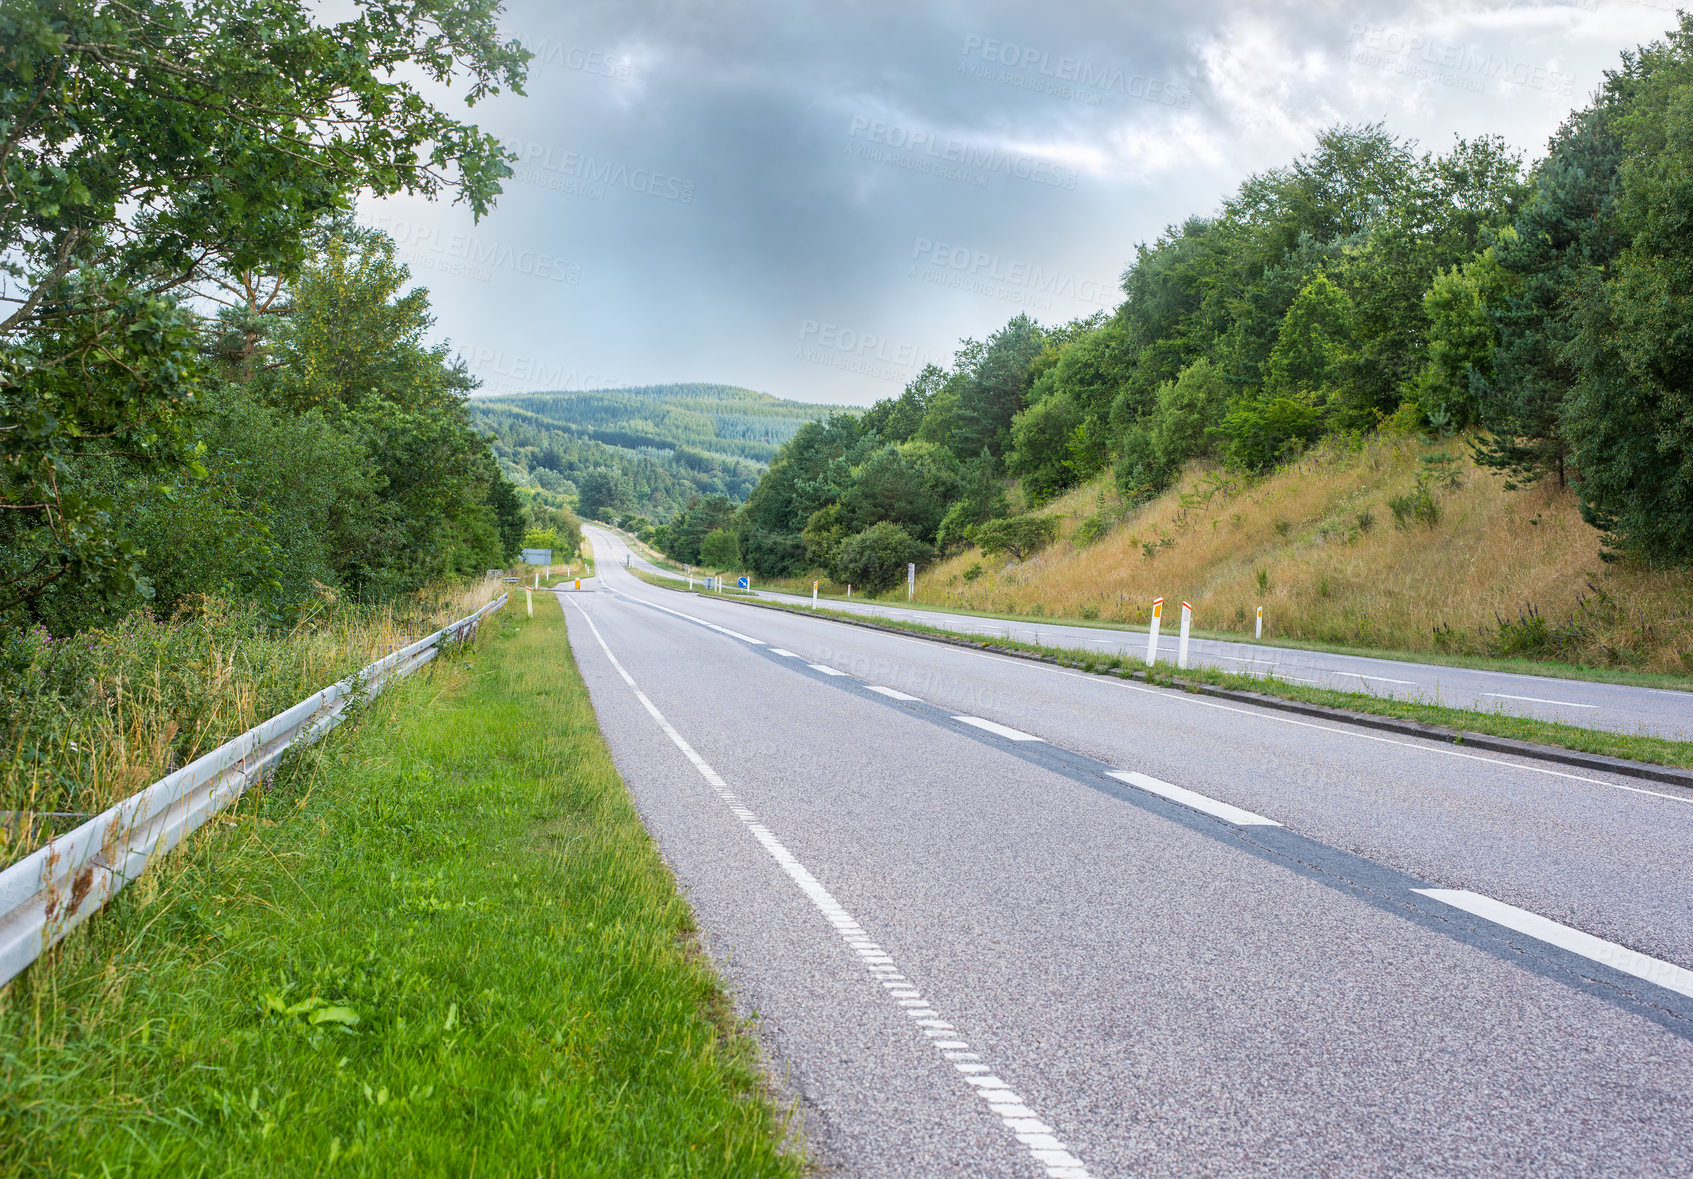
{"x": 1006, "y": 731}
{"x": 1190, "y": 798}
{"x": 1538, "y": 700}
{"x": 1036, "y": 1136}
{"x": 1654, "y": 970}
{"x": 825, "y": 669}
{"x": 890, "y": 692}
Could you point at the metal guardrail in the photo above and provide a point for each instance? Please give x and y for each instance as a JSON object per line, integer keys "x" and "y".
{"x": 54, "y": 889}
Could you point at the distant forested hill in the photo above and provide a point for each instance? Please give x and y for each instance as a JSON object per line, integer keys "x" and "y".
{"x": 648, "y": 450}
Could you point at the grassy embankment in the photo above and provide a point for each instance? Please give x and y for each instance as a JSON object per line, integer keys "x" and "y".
{"x": 90, "y": 719}
{"x": 1483, "y": 575}
{"x": 1633, "y": 747}
{"x": 441, "y": 942}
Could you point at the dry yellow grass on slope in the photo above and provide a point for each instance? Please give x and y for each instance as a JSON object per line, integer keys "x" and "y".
{"x": 1485, "y": 571}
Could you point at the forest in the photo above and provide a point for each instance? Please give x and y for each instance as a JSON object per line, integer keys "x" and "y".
{"x": 656, "y": 448}
{"x": 1540, "y": 314}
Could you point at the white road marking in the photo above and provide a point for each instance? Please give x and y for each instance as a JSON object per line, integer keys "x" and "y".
{"x": 1538, "y": 700}
{"x": 1199, "y": 802}
{"x": 1654, "y": 970}
{"x": 1012, "y": 1110}
{"x": 890, "y": 692}
{"x": 1270, "y": 716}
{"x": 734, "y": 634}
{"x": 782, "y": 653}
{"x": 1384, "y": 679}
{"x": 824, "y": 668}
{"x": 1005, "y": 731}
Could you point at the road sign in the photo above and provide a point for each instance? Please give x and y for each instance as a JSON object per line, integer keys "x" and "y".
{"x": 745, "y": 583}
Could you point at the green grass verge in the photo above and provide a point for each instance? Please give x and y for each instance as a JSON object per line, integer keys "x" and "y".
{"x": 441, "y": 943}
{"x": 1655, "y": 750}
{"x": 1543, "y": 668}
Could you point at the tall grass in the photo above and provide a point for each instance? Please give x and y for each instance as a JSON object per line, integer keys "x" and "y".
{"x": 439, "y": 943}
{"x": 1388, "y": 545}
{"x": 89, "y": 719}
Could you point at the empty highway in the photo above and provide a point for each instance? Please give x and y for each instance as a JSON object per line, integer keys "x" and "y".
{"x": 993, "y": 917}
{"x": 1619, "y": 708}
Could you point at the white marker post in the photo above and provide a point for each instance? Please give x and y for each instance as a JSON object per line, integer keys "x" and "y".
{"x": 814, "y": 595}
{"x": 849, "y": 591}
{"x": 1260, "y": 631}
{"x": 1181, "y": 644}
{"x": 910, "y": 580}
{"x": 1152, "y": 634}
{"x": 529, "y": 599}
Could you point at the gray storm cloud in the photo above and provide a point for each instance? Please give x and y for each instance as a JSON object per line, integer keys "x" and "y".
{"x": 814, "y": 200}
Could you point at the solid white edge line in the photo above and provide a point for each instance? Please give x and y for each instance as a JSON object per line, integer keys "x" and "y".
{"x": 1654, "y": 970}
{"x": 1018, "y": 1117}
{"x": 1006, "y": 731}
{"x": 1199, "y": 802}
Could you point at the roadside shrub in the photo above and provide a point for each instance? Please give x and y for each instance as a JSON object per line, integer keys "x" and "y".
{"x": 1418, "y": 506}
{"x": 721, "y": 549}
{"x": 972, "y": 573}
{"x": 876, "y": 558}
{"x": 1262, "y": 434}
{"x": 1091, "y": 531}
{"x": 1020, "y": 536}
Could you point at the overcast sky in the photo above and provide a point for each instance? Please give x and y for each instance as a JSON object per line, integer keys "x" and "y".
{"x": 812, "y": 200}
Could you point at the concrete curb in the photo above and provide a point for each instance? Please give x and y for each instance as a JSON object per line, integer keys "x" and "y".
{"x": 1386, "y": 724}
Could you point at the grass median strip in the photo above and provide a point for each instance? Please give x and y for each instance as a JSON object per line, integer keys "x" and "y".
{"x": 440, "y": 943}
{"x": 1630, "y": 747}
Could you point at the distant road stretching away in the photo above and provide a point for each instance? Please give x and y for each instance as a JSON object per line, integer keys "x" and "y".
{"x": 1618, "y": 708}
{"x": 995, "y": 917}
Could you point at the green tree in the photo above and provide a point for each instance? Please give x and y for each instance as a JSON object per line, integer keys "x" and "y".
{"x": 1021, "y": 536}
{"x": 1460, "y": 306}
{"x": 996, "y": 389}
{"x": 721, "y": 550}
{"x": 1628, "y": 419}
{"x": 1314, "y": 359}
{"x": 877, "y": 557}
{"x": 157, "y": 149}
{"x": 1567, "y": 228}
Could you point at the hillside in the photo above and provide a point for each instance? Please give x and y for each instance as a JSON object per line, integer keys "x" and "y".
{"x": 662, "y": 444}
{"x": 1318, "y": 545}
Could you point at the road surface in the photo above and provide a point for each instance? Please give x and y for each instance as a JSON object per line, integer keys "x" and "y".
{"x": 1618, "y": 708}
{"x": 999, "y": 918}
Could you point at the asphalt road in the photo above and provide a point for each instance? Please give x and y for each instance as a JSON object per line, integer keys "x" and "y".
{"x": 1276, "y": 946}
{"x": 1614, "y": 707}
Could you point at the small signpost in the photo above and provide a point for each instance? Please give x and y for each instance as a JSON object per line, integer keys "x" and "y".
{"x": 910, "y": 580}
{"x": 1152, "y": 634}
{"x": 744, "y": 583}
